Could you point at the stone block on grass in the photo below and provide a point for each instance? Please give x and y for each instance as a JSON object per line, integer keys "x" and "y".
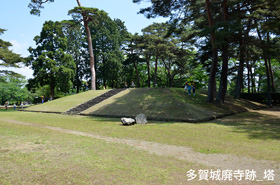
{"x": 128, "y": 121}
{"x": 141, "y": 119}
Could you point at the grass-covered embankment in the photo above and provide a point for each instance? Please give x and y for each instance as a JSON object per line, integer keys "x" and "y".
{"x": 63, "y": 104}
{"x": 167, "y": 104}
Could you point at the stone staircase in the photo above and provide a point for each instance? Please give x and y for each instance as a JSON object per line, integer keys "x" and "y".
{"x": 80, "y": 108}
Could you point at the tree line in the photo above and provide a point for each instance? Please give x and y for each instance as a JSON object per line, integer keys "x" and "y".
{"x": 224, "y": 46}
{"x": 244, "y": 30}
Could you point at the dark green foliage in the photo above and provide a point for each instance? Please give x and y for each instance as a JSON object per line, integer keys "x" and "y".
{"x": 261, "y": 97}
{"x": 36, "y": 5}
{"x": 108, "y": 38}
{"x": 93, "y": 14}
{"x": 230, "y": 29}
{"x": 49, "y": 60}
{"x": 77, "y": 47}
{"x": 168, "y": 54}
{"x": 8, "y": 58}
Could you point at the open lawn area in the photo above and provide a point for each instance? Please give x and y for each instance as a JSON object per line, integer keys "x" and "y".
{"x": 38, "y": 148}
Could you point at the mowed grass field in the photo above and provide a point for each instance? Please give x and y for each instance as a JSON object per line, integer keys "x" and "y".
{"x": 63, "y": 104}
{"x": 37, "y": 155}
{"x": 32, "y": 155}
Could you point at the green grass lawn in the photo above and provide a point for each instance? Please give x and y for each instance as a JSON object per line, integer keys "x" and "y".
{"x": 31, "y": 155}
{"x": 34, "y": 155}
{"x": 166, "y": 103}
{"x": 66, "y": 103}
{"x": 247, "y": 134}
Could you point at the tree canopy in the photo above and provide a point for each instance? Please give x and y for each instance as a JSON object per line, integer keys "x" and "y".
{"x": 227, "y": 25}
{"x": 12, "y": 89}
{"x": 8, "y": 58}
{"x": 49, "y": 60}
{"x": 223, "y": 46}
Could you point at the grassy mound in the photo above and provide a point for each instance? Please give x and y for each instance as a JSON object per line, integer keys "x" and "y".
{"x": 167, "y": 104}
{"x": 66, "y": 103}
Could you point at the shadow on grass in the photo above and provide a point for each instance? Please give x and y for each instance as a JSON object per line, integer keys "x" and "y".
{"x": 174, "y": 103}
{"x": 9, "y": 110}
{"x": 147, "y": 101}
{"x": 257, "y": 125}
{"x": 169, "y": 104}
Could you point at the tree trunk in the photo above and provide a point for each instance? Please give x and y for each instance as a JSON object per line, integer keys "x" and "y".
{"x": 169, "y": 77}
{"x": 105, "y": 83}
{"x": 148, "y": 69}
{"x": 52, "y": 86}
{"x": 239, "y": 80}
{"x": 248, "y": 76}
{"x": 90, "y": 50}
{"x": 155, "y": 76}
{"x": 267, "y": 72}
{"x": 104, "y": 64}
{"x": 180, "y": 78}
{"x": 252, "y": 78}
{"x": 271, "y": 75}
{"x": 259, "y": 82}
{"x": 137, "y": 73}
{"x": 77, "y": 79}
{"x": 168, "y": 68}
{"x": 268, "y": 82}
{"x": 212, "y": 78}
{"x": 223, "y": 82}
{"x": 270, "y": 68}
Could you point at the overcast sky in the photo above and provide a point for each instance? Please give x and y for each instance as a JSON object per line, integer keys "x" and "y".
{"x": 22, "y": 27}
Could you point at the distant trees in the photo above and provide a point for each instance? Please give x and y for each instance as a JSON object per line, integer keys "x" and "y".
{"x": 12, "y": 89}
{"x": 49, "y": 60}
{"x": 158, "y": 58}
{"x": 8, "y": 58}
{"x": 11, "y": 84}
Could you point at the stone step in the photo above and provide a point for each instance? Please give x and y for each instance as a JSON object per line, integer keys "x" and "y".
{"x": 80, "y": 108}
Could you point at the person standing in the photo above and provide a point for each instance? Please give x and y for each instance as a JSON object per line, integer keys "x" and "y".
{"x": 6, "y": 105}
{"x": 189, "y": 89}
{"x": 15, "y": 106}
{"x": 186, "y": 86}
{"x": 42, "y": 97}
{"x": 193, "y": 89}
{"x": 21, "y": 105}
{"x": 132, "y": 84}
